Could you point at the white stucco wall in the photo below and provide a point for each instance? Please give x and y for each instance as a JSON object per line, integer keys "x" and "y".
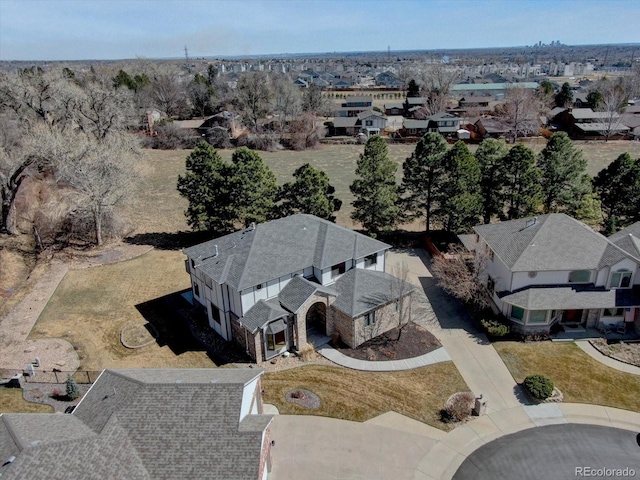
{"x": 248, "y": 395}
{"x": 522, "y": 279}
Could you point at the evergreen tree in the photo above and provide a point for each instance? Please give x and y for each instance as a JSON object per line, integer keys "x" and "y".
{"x": 72, "y": 388}
{"x": 413, "y": 89}
{"x": 564, "y": 98}
{"x": 309, "y": 193}
{"x": 618, "y": 186}
{"x": 206, "y": 186}
{"x": 563, "y": 181}
{"x": 422, "y": 177}
{"x": 253, "y": 188}
{"x": 589, "y": 211}
{"x": 522, "y": 190}
{"x": 460, "y": 202}
{"x": 375, "y": 189}
{"x": 491, "y": 154}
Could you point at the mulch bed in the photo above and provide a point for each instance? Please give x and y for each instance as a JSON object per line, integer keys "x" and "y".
{"x": 304, "y": 398}
{"x": 44, "y": 393}
{"x": 624, "y": 352}
{"x": 414, "y": 341}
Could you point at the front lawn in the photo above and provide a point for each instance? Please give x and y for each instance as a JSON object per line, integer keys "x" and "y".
{"x": 580, "y": 378}
{"x": 359, "y": 396}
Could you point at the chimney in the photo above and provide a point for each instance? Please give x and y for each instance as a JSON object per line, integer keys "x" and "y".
{"x": 215, "y": 250}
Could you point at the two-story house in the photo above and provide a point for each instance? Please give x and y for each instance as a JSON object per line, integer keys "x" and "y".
{"x": 554, "y": 269}
{"x": 267, "y": 285}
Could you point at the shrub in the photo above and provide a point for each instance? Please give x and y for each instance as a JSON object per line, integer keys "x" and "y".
{"x": 266, "y": 142}
{"x": 459, "y": 406}
{"x": 495, "y": 328}
{"x": 218, "y": 137}
{"x": 72, "y": 388}
{"x": 538, "y": 386}
{"x": 307, "y": 352}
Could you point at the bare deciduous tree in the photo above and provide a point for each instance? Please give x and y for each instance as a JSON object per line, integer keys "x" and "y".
{"x": 254, "y": 94}
{"x": 436, "y": 81}
{"x": 286, "y": 100}
{"x": 169, "y": 94}
{"x": 521, "y": 109}
{"x": 613, "y": 100}
{"x": 462, "y": 275}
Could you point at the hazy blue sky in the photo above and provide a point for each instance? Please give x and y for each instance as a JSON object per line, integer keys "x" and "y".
{"x": 114, "y": 29}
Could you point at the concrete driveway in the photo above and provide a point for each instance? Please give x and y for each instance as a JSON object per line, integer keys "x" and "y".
{"x": 319, "y": 448}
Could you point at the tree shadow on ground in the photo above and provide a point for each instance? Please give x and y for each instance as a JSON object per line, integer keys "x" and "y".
{"x": 184, "y": 328}
{"x": 169, "y": 240}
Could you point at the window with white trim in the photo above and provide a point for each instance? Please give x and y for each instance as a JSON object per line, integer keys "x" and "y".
{"x": 537, "y": 316}
{"x": 370, "y": 260}
{"x": 613, "y": 312}
{"x": 215, "y": 314}
{"x": 517, "y": 313}
{"x": 580, "y": 276}
{"x": 196, "y": 289}
{"x": 338, "y": 269}
{"x": 620, "y": 279}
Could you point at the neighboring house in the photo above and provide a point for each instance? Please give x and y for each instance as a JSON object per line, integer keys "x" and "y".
{"x": 368, "y": 122}
{"x": 266, "y": 286}
{"x": 475, "y": 104}
{"x": 585, "y": 123}
{"x": 553, "y": 269}
{"x": 147, "y": 424}
{"x": 353, "y": 105}
{"x": 389, "y": 80}
{"x": 445, "y": 124}
{"x": 393, "y": 108}
{"x": 415, "y": 128}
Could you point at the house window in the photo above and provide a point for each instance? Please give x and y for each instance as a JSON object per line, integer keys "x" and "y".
{"x": 196, "y": 289}
{"x": 613, "y": 312}
{"x": 537, "y": 316}
{"x": 580, "y": 276}
{"x": 370, "y": 260}
{"x": 396, "y": 306}
{"x": 208, "y": 282}
{"x": 276, "y": 341}
{"x": 517, "y": 313}
{"x": 369, "y": 319}
{"x": 368, "y": 123}
{"x": 215, "y": 314}
{"x": 620, "y": 279}
{"x": 338, "y": 269}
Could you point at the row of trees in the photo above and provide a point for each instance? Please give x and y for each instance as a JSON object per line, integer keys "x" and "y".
{"x": 224, "y": 195}
{"x": 67, "y": 133}
{"x": 456, "y": 189}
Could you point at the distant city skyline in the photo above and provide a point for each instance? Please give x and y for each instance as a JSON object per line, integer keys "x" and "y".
{"x": 121, "y": 29}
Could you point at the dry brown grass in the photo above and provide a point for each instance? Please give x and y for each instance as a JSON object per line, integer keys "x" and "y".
{"x": 11, "y": 401}
{"x": 579, "y": 377}
{"x": 91, "y": 306}
{"x": 160, "y": 208}
{"x": 359, "y": 396}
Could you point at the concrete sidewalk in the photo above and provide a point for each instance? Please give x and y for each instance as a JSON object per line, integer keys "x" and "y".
{"x": 594, "y": 353}
{"x": 438, "y": 355}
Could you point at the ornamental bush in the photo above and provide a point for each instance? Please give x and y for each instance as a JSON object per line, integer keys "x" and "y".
{"x": 72, "y": 388}
{"x": 538, "y": 386}
{"x": 495, "y": 328}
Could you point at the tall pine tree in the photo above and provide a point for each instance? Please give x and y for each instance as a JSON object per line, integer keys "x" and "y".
{"x": 618, "y": 186}
{"x": 522, "y": 190}
{"x": 460, "y": 202}
{"x": 490, "y": 155}
{"x": 309, "y": 193}
{"x": 375, "y": 189}
{"x": 564, "y": 180}
{"x": 422, "y": 179}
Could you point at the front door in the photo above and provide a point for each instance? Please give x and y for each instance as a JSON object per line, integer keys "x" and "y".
{"x": 572, "y": 316}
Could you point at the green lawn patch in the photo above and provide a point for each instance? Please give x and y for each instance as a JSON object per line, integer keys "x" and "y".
{"x": 359, "y": 396}
{"x": 579, "y": 377}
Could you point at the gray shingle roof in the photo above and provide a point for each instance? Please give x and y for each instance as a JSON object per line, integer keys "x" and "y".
{"x": 553, "y": 242}
{"x": 578, "y": 297}
{"x": 360, "y": 290}
{"x": 263, "y": 312}
{"x": 628, "y": 239}
{"x": 408, "y": 123}
{"x": 278, "y": 248}
{"x": 145, "y": 424}
{"x": 298, "y": 291}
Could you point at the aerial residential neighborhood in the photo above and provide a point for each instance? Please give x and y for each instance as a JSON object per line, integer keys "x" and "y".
{"x": 308, "y": 239}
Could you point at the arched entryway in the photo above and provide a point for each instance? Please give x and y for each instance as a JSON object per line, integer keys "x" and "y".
{"x": 316, "y": 319}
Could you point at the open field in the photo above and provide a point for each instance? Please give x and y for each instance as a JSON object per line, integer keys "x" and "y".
{"x": 359, "y": 396}
{"x": 11, "y": 401}
{"x": 578, "y": 376}
{"x": 91, "y": 306}
{"x": 160, "y": 208}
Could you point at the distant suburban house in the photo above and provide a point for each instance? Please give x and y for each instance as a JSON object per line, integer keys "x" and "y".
{"x": 393, "y": 108}
{"x": 367, "y": 122}
{"x": 585, "y": 123}
{"x": 487, "y": 128}
{"x": 268, "y": 287}
{"x": 415, "y": 128}
{"x": 353, "y": 105}
{"x": 389, "y": 80}
{"x": 476, "y": 104}
{"x": 553, "y": 269}
{"x": 446, "y": 124}
{"x": 147, "y": 424}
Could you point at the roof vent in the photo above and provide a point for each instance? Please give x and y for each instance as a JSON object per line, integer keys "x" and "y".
{"x": 252, "y": 226}
{"x": 530, "y": 223}
{"x": 215, "y": 250}
{"x": 178, "y": 381}
{"x": 11, "y": 459}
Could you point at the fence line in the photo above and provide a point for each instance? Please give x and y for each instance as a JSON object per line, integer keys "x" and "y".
{"x": 54, "y": 376}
